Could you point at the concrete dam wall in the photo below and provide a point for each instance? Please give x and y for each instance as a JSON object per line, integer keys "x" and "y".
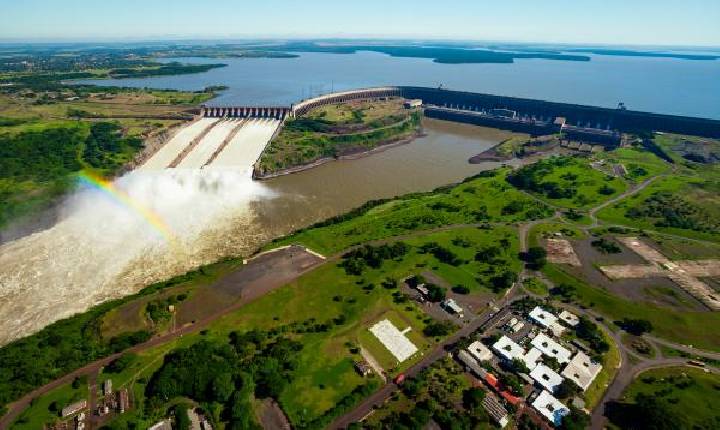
{"x": 578, "y": 116}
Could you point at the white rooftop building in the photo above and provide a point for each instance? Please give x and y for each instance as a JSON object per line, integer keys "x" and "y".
{"x": 546, "y": 377}
{"x": 550, "y": 407}
{"x": 551, "y": 348}
{"x": 480, "y": 351}
{"x": 508, "y": 349}
{"x": 547, "y": 320}
{"x": 569, "y": 318}
{"x": 582, "y": 370}
{"x": 532, "y": 357}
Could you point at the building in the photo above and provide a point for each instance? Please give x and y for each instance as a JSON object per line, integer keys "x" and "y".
{"x": 73, "y": 408}
{"x": 451, "y": 306}
{"x": 532, "y": 357}
{"x": 496, "y": 410}
{"x": 582, "y": 370}
{"x": 550, "y": 407}
{"x": 107, "y": 387}
{"x": 362, "y": 368}
{"x": 123, "y": 401}
{"x": 471, "y": 364}
{"x": 409, "y": 104}
{"x": 518, "y": 326}
{"x": 569, "y": 318}
{"x": 546, "y": 377}
{"x": 547, "y": 320}
{"x": 550, "y": 348}
{"x": 423, "y": 290}
{"x": 507, "y": 349}
{"x": 480, "y": 351}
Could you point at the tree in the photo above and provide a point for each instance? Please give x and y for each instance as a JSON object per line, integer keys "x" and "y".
{"x": 503, "y": 281}
{"x": 461, "y": 289}
{"x": 438, "y": 328}
{"x": 636, "y": 327}
{"x": 436, "y": 293}
{"x": 566, "y": 389}
{"x": 473, "y": 397}
{"x": 575, "y": 420}
{"x": 182, "y": 421}
{"x": 121, "y": 363}
{"x": 535, "y": 257}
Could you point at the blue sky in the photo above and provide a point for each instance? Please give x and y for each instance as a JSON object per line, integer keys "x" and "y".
{"x": 626, "y": 22}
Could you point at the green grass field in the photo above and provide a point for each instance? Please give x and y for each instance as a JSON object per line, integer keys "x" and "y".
{"x": 568, "y": 182}
{"x": 695, "y": 201}
{"x": 479, "y": 200}
{"x": 639, "y": 163}
{"x": 691, "y": 393}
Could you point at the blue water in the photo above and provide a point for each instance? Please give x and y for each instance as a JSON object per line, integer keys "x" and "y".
{"x": 662, "y": 85}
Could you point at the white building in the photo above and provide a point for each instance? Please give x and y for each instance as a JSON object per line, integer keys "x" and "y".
{"x": 480, "y": 351}
{"x": 546, "y": 377}
{"x": 550, "y": 408}
{"x": 507, "y": 349}
{"x": 451, "y": 306}
{"x": 550, "y": 348}
{"x": 569, "y": 318}
{"x": 582, "y": 370}
{"x": 547, "y": 320}
{"x": 532, "y": 357}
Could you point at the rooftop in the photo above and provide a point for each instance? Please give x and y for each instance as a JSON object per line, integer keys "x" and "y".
{"x": 550, "y": 407}
{"x": 546, "y": 377}
{"x": 480, "y": 351}
{"x": 569, "y": 318}
{"x": 551, "y": 348}
{"x": 582, "y": 370}
{"x": 508, "y": 349}
{"x": 547, "y": 320}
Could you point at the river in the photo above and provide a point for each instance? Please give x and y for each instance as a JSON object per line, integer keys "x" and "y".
{"x": 663, "y": 85}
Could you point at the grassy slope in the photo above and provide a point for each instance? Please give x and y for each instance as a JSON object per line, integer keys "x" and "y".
{"x": 415, "y": 212}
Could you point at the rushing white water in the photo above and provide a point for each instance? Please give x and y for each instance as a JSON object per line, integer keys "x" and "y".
{"x": 102, "y": 249}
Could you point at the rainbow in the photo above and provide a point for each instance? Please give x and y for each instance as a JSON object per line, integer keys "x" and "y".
{"x": 108, "y": 188}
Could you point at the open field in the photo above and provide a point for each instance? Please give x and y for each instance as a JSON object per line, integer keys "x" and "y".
{"x": 568, "y": 182}
{"x": 337, "y": 130}
{"x": 685, "y": 204}
{"x": 688, "y": 393}
{"x": 639, "y": 163}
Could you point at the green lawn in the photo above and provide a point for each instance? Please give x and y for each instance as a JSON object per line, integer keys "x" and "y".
{"x": 38, "y": 413}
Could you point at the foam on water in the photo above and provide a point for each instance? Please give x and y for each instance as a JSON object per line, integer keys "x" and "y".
{"x": 102, "y": 250}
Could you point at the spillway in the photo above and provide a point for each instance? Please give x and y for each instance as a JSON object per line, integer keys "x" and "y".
{"x": 172, "y": 149}
{"x": 204, "y": 151}
{"x": 247, "y": 145}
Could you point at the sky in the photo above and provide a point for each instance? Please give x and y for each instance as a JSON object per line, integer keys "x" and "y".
{"x": 620, "y": 22}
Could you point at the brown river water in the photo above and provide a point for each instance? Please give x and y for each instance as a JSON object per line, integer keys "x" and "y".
{"x": 100, "y": 250}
